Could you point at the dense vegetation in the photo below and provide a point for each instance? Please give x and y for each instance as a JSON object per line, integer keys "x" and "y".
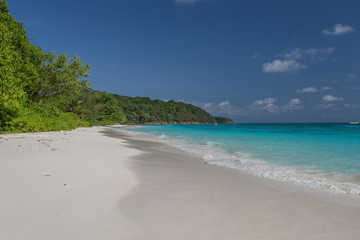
{"x": 143, "y": 110}
{"x": 47, "y": 92}
{"x": 223, "y": 120}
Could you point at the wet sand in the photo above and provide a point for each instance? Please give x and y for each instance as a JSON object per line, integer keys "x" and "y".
{"x": 181, "y": 197}
{"x": 97, "y": 183}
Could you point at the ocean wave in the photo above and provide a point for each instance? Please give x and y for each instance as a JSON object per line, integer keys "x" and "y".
{"x": 162, "y": 136}
{"x": 211, "y": 144}
{"x": 332, "y": 182}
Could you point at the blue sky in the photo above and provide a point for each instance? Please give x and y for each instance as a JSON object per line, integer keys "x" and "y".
{"x": 254, "y": 61}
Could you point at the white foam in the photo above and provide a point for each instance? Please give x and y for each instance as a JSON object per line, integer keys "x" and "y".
{"x": 162, "y": 136}
{"x": 243, "y": 161}
{"x": 210, "y": 143}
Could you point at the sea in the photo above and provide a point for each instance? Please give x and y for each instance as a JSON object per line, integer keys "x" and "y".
{"x": 324, "y": 156}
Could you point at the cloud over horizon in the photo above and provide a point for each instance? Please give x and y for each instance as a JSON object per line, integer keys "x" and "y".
{"x": 268, "y": 105}
{"x": 330, "y": 102}
{"x": 338, "y": 29}
{"x": 293, "y": 104}
{"x": 257, "y": 107}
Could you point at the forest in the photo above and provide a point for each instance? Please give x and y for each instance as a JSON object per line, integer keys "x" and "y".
{"x": 42, "y": 91}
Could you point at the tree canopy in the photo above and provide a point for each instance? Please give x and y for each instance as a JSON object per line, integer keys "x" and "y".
{"x": 46, "y": 91}
{"x": 19, "y": 60}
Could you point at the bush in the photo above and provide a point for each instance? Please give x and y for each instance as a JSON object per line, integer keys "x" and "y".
{"x": 40, "y": 119}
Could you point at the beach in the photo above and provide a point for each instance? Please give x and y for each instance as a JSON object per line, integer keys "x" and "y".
{"x": 98, "y": 183}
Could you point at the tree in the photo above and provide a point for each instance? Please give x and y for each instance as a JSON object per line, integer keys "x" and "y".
{"x": 59, "y": 75}
{"x": 19, "y": 60}
{"x": 34, "y": 83}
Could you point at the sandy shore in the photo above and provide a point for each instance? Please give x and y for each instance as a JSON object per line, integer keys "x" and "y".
{"x": 64, "y": 186}
{"x": 97, "y": 183}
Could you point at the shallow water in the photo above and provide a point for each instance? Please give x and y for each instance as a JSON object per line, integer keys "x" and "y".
{"x": 322, "y": 156}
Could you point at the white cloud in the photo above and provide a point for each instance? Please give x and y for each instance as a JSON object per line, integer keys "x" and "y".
{"x": 223, "y": 104}
{"x": 207, "y": 105}
{"x": 255, "y": 55}
{"x": 298, "y": 53}
{"x": 258, "y": 107}
{"x": 338, "y": 29}
{"x": 330, "y": 102}
{"x": 315, "y": 51}
{"x": 308, "y": 90}
{"x": 222, "y": 108}
{"x": 290, "y": 59}
{"x": 331, "y": 98}
{"x": 293, "y": 104}
{"x": 186, "y": 1}
{"x": 351, "y": 77}
{"x": 295, "y": 101}
{"x": 313, "y": 89}
{"x": 228, "y": 109}
{"x": 326, "y": 88}
{"x": 352, "y": 106}
{"x": 265, "y": 101}
{"x": 266, "y": 104}
{"x": 283, "y": 66}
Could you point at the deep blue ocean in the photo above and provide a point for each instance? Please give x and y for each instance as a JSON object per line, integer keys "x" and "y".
{"x": 323, "y": 156}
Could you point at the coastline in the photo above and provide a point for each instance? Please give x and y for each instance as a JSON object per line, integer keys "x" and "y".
{"x": 122, "y": 187}
{"x": 180, "y": 197}
{"x": 248, "y": 156}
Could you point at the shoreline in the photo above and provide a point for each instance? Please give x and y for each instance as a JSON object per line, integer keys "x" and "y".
{"x": 298, "y": 177}
{"x": 180, "y": 197}
{"x": 122, "y": 187}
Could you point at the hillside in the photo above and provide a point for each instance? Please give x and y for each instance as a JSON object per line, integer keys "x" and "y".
{"x": 42, "y": 91}
{"x": 144, "y": 110}
{"x": 100, "y": 108}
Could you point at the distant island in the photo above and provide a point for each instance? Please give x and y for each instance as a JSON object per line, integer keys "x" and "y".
{"x": 47, "y": 92}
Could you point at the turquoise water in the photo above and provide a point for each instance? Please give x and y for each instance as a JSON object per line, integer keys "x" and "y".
{"x": 316, "y": 155}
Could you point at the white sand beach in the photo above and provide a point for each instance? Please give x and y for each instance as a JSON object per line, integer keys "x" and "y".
{"x": 96, "y": 183}
{"x": 64, "y": 185}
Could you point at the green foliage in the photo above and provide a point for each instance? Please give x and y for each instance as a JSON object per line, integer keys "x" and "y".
{"x": 46, "y": 92}
{"x": 59, "y": 76}
{"x": 143, "y": 110}
{"x": 19, "y": 60}
{"x": 40, "y": 117}
{"x": 223, "y": 120}
{"x": 99, "y": 108}
{"x": 35, "y": 87}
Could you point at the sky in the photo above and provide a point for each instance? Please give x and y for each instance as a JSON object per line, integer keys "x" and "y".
{"x": 252, "y": 61}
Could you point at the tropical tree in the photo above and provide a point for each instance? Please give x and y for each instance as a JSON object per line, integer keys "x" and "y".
{"x": 19, "y": 60}
{"x": 59, "y": 76}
